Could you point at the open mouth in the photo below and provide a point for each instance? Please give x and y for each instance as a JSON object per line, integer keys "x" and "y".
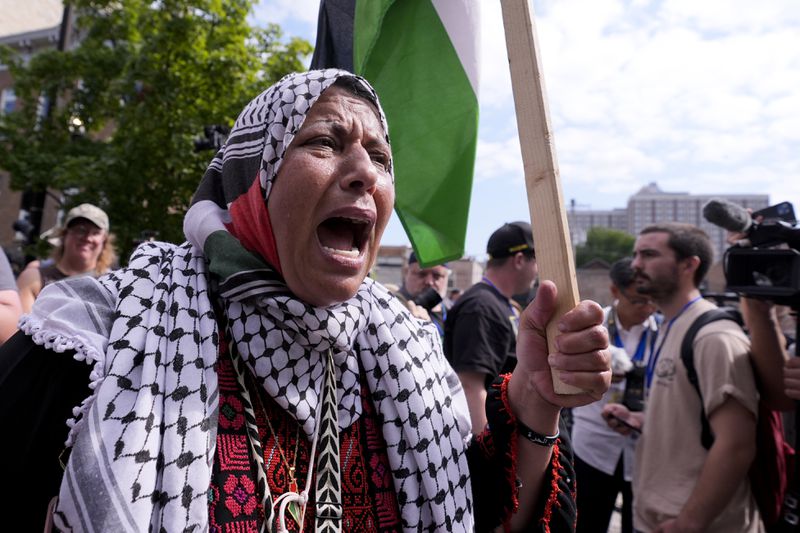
{"x": 344, "y": 235}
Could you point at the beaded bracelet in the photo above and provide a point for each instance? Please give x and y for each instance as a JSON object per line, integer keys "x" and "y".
{"x": 536, "y": 438}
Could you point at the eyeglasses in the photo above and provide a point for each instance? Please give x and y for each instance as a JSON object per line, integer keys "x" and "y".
{"x": 82, "y": 230}
{"x": 637, "y": 300}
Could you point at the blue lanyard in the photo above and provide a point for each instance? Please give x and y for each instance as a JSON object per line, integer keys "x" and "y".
{"x": 651, "y": 364}
{"x": 638, "y": 356}
{"x": 511, "y": 307}
{"x": 444, "y": 317}
{"x": 640, "y": 348}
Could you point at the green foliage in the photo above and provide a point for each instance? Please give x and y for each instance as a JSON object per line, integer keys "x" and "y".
{"x": 144, "y": 79}
{"x": 606, "y": 244}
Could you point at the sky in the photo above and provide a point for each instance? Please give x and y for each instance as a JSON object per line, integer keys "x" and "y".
{"x": 698, "y": 96}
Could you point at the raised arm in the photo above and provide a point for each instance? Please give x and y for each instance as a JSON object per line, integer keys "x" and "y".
{"x": 582, "y": 360}
{"x": 768, "y": 351}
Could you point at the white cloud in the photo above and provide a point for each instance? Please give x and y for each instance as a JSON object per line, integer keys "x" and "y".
{"x": 495, "y": 76}
{"x": 301, "y": 12}
{"x": 498, "y": 159}
{"x": 592, "y": 160}
{"x": 726, "y": 16}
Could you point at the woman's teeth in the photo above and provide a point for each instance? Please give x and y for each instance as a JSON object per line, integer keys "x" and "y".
{"x": 347, "y": 253}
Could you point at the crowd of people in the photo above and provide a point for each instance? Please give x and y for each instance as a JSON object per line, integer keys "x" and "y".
{"x": 645, "y": 443}
{"x": 256, "y": 378}
{"x": 626, "y": 446}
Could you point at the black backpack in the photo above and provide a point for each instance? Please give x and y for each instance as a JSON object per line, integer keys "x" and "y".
{"x": 770, "y": 470}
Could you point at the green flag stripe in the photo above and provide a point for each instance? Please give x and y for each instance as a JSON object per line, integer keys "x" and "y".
{"x": 404, "y": 50}
{"x": 229, "y": 257}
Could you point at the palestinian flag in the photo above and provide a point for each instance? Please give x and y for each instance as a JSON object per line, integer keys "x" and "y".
{"x": 422, "y": 58}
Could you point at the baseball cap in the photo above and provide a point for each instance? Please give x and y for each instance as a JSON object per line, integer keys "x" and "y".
{"x": 509, "y": 239}
{"x": 92, "y": 213}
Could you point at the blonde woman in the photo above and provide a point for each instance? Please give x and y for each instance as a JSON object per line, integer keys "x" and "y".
{"x": 86, "y": 249}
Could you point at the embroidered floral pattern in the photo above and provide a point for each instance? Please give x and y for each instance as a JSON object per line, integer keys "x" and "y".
{"x": 240, "y": 495}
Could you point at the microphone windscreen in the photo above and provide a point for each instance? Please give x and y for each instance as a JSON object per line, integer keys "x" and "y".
{"x": 727, "y": 215}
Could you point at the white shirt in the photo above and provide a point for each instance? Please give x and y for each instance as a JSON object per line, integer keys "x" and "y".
{"x": 593, "y": 441}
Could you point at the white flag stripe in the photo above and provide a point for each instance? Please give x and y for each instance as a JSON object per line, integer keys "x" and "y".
{"x": 462, "y": 22}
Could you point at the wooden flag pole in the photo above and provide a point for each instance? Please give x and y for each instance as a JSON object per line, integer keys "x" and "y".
{"x": 548, "y": 216}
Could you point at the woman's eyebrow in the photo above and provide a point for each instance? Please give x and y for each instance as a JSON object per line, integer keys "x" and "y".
{"x": 374, "y": 141}
{"x": 378, "y": 142}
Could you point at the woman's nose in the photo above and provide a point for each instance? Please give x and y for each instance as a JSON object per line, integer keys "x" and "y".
{"x": 361, "y": 173}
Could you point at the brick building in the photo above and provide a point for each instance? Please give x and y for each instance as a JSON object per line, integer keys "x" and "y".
{"x": 27, "y": 27}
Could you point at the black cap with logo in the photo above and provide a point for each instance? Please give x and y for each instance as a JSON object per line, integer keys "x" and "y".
{"x": 511, "y": 238}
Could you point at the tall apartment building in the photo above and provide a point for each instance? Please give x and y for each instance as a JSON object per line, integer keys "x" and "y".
{"x": 581, "y": 221}
{"x": 651, "y": 205}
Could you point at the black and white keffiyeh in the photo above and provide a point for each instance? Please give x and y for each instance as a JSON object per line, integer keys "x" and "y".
{"x": 143, "y": 444}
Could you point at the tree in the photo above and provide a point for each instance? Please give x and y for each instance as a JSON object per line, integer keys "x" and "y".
{"x": 132, "y": 98}
{"x": 606, "y": 244}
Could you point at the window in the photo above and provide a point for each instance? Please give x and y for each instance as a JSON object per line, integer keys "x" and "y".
{"x": 43, "y": 106}
{"x": 8, "y": 101}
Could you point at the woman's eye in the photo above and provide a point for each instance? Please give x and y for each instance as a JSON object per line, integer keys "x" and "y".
{"x": 381, "y": 159}
{"x": 326, "y": 142}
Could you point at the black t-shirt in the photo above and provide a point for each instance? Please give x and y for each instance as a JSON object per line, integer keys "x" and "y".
{"x": 480, "y": 333}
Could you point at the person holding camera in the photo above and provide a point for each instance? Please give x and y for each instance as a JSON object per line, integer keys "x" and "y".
{"x": 771, "y": 358}
{"x": 777, "y": 372}
{"x": 481, "y": 328}
{"x": 681, "y": 483}
{"x": 423, "y": 291}
{"x": 603, "y": 457}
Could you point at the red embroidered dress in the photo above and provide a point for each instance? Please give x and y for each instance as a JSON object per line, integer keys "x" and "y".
{"x": 368, "y": 495}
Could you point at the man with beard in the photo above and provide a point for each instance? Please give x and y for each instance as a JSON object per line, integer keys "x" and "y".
{"x": 604, "y": 458}
{"x": 679, "y": 484}
{"x": 417, "y": 280}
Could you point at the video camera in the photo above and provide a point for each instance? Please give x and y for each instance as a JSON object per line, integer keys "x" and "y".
{"x": 755, "y": 266}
